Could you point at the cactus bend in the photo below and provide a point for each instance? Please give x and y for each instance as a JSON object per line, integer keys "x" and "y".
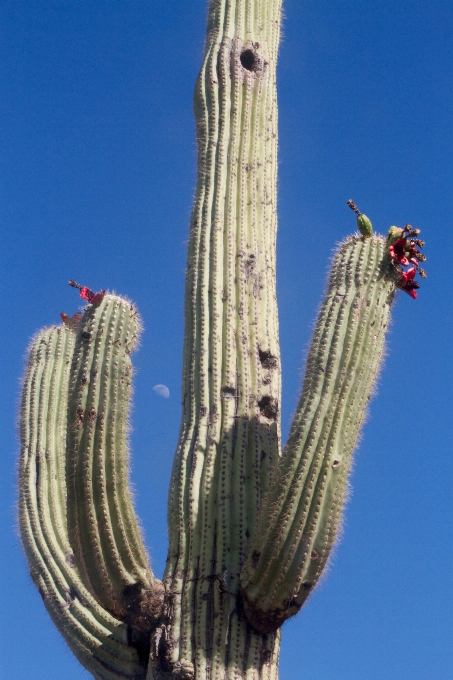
{"x": 251, "y": 525}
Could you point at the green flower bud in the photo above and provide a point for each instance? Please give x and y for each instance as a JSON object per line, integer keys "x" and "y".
{"x": 364, "y": 225}
{"x": 393, "y": 234}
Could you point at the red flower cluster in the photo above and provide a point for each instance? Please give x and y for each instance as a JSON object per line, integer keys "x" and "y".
{"x": 404, "y": 250}
{"x": 87, "y": 294}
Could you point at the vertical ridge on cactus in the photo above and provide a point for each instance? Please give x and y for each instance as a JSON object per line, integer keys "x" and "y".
{"x": 250, "y": 528}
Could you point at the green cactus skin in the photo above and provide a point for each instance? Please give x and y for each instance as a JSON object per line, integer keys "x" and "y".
{"x": 107, "y": 647}
{"x": 103, "y": 528}
{"x": 300, "y": 518}
{"x": 250, "y": 530}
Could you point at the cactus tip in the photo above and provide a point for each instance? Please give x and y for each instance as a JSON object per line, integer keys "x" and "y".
{"x": 363, "y": 222}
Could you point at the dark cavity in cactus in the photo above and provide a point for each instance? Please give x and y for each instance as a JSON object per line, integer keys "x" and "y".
{"x": 251, "y": 526}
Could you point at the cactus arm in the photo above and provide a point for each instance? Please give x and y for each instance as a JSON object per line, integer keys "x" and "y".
{"x": 229, "y": 437}
{"x": 301, "y": 514}
{"x": 103, "y": 528}
{"x": 105, "y": 646}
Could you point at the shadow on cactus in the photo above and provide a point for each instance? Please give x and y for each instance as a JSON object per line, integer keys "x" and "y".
{"x": 251, "y": 526}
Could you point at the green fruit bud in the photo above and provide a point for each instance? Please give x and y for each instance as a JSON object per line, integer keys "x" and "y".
{"x": 393, "y": 234}
{"x": 364, "y": 225}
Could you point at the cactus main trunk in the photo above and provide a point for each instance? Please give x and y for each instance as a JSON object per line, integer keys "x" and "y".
{"x": 230, "y": 429}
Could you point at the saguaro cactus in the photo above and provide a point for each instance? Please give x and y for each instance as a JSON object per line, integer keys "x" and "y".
{"x": 250, "y": 527}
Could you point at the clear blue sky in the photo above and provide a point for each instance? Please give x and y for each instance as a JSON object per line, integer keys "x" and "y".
{"x": 97, "y": 178}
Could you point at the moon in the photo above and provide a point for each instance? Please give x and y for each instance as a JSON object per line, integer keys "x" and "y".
{"x": 162, "y": 391}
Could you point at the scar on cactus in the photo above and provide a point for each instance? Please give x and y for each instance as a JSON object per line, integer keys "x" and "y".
{"x": 251, "y": 523}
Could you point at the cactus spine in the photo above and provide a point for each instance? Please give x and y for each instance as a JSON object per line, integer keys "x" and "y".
{"x": 250, "y": 528}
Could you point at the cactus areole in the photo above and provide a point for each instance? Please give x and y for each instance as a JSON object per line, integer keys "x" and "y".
{"x": 250, "y": 526}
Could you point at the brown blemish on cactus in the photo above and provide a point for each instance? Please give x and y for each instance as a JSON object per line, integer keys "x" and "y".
{"x": 142, "y": 604}
{"x": 80, "y": 417}
{"x": 249, "y": 265}
{"x": 255, "y": 559}
{"x": 70, "y": 596}
{"x": 70, "y": 560}
{"x": 265, "y": 657}
{"x": 266, "y": 622}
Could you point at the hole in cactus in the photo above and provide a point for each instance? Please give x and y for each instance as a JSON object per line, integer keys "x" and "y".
{"x": 267, "y": 360}
{"x": 249, "y": 60}
{"x": 335, "y": 463}
{"x": 314, "y": 555}
{"x": 293, "y": 603}
{"x": 228, "y": 392}
{"x": 86, "y": 336}
{"x": 268, "y": 407}
{"x": 307, "y": 585}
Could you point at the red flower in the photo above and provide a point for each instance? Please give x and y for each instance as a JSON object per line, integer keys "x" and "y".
{"x": 87, "y": 293}
{"x": 398, "y": 252}
{"x": 93, "y": 298}
{"x": 407, "y": 282}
